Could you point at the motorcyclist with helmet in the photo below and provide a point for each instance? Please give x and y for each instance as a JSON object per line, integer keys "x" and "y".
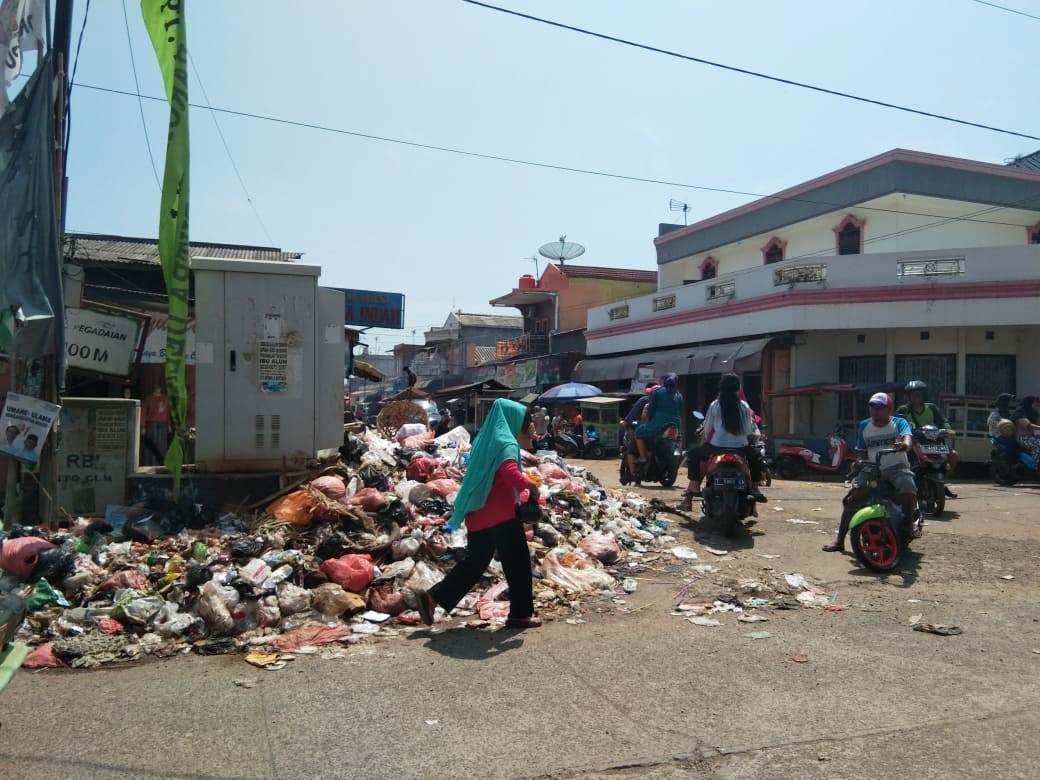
{"x": 919, "y": 413}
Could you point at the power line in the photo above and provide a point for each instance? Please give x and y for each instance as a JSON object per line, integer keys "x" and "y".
{"x": 68, "y": 88}
{"x": 1009, "y": 10}
{"x": 517, "y": 160}
{"x": 748, "y": 72}
{"x": 227, "y": 149}
{"x": 140, "y": 102}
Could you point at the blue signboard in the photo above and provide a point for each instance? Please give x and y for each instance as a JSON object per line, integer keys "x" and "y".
{"x": 373, "y": 309}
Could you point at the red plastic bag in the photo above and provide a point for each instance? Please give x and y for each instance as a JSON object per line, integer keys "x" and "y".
{"x": 21, "y": 554}
{"x": 424, "y": 469}
{"x": 442, "y": 488}
{"x": 309, "y": 636}
{"x": 368, "y": 499}
{"x": 384, "y": 598}
{"x": 552, "y": 471}
{"x": 418, "y": 441}
{"x": 135, "y": 579}
{"x": 351, "y": 572}
{"x": 43, "y": 657}
{"x": 297, "y": 508}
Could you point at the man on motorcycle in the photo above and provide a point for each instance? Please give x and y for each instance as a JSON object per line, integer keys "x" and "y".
{"x": 628, "y": 425}
{"x": 880, "y": 431}
{"x": 727, "y": 426}
{"x": 919, "y": 413}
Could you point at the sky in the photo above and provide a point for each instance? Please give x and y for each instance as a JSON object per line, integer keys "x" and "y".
{"x": 453, "y": 232}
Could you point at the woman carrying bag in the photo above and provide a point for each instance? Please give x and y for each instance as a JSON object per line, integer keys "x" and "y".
{"x": 487, "y": 503}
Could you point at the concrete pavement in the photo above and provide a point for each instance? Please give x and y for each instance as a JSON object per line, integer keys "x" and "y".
{"x": 636, "y": 694}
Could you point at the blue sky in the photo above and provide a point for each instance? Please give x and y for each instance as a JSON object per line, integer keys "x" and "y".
{"x": 449, "y": 230}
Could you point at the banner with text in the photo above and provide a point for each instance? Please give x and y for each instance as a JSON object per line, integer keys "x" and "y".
{"x": 101, "y": 341}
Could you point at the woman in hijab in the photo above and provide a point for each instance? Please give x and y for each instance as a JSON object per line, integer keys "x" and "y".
{"x": 1026, "y": 418}
{"x": 664, "y": 409}
{"x": 487, "y": 503}
{"x": 1002, "y": 411}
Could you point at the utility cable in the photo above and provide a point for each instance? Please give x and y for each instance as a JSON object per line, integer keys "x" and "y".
{"x": 519, "y": 161}
{"x": 748, "y": 72}
{"x": 140, "y": 102}
{"x": 1009, "y": 10}
{"x": 223, "y": 140}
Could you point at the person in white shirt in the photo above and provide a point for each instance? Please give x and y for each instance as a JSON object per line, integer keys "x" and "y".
{"x": 880, "y": 431}
{"x": 727, "y": 426}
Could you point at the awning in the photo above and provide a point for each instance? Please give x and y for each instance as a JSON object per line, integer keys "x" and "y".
{"x": 592, "y": 370}
{"x": 367, "y": 371}
{"x": 819, "y": 388}
{"x": 601, "y": 400}
{"x": 728, "y": 356}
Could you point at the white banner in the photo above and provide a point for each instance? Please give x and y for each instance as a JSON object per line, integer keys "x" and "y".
{"x": 24, "y": 426}
{"x": 101, "y": 341}
{"x": 155, "y": 341}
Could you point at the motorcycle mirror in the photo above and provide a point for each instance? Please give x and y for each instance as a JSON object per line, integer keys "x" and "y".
{"x": 698, "y": 416}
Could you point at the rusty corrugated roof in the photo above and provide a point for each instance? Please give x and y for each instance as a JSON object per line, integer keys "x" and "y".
{"x": 92, "y": 248}
{"x": 614, "y": 274}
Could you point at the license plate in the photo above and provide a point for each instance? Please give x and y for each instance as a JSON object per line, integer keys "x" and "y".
{"x": 731, "y": 482}
{"x": 935, "y": 449}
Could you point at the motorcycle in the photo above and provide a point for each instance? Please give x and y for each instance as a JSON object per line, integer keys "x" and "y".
{"x": 930, "y": 455}
{"x": 1009, "y": 463}
{"x": 725, "y": 498}
{"x": 593, "y": 448}
{"x": 879, "y": 532}
{"x": 793, "y": 461}
{"x": 663, "y": 456}
{"x": 760, "y": 443}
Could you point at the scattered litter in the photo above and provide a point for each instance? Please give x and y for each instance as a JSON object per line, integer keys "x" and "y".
{"x": 246, "y": 682}
{"x": 1007, "y": 576}
{"x": 705, "y": 568}
{"x": 714, "y": 551}
{"x": 799, "y": 658}
{"x": 574, "y": 622}
{"x": 752, "y": 618}
{"x": 431, "y": 722}
{"x": 629, "y": 585}
{"x": 778, "y": 509}
{"x": 704, "y": 621}
{"x": 684, "y": 553}
{"x": 796, "y": 580}
{"x": 800, "y": 521}
{"x": 915, "y": 619}
{"x": 758, "y": 635}
{"x": 272, "y": 662}
{"x": 941, "y": 630}
{"x": 769, "y": 557}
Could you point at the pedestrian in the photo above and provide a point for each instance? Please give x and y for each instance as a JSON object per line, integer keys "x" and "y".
{"x": 1026, "y": 418}
{"x": 487, "y": 503}
{"x": 1001, "y": 411}
{"x": 445, "y": 424}
{"x": 541, "y": 422}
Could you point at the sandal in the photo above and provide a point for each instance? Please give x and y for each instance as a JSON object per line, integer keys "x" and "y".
{"x": 427, "y": 606}
{"x": 531, "y": 621}
{"x": 834, "y": 547}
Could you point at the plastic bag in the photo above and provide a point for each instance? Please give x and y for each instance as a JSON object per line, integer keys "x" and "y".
{"x": 404, "y": 548}
{"x": 436, "y": 506}
{"x": 331, "y": 600}
{"x": 21, "y": 555}
{"x": 384, "y": 598}
{"x": 368, "y": 499}
{"x": 134, "y": 579}
{"x": 602, "y": 547}
{"x": 552, "y": 471}
{"x": 419, "y": 441}
{"x": 170, "y": 622}
{"x": 458, "y": 436}
{"x": 423, "y": 577}
{"x": 351, "y": 572}
{"x": 293, "y": 599}
{"x": 42, "y": 595}
{"x": 43, "y": 657}
{"x": 296, "y": 508}
{"x": 425, "y": 469}
{"x": 436, "y": 545}
{"x": 267, "y": 612}
{"x": 309, "y": 636}
{"x": 213, "y": 610}
{"x": 331, "y": 485}
{"x": 140, "y": 611}
{"x": 581, "y": 574}
{"x": 442, "y": 488}
{"x": 399, "y": 570}
{"x": 488, "y": 605}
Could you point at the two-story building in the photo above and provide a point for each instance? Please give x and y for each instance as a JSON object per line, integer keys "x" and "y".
{"x": 906, "y": 265}
{"x": 458, "y": 345}
{"x": 555, "y": 310}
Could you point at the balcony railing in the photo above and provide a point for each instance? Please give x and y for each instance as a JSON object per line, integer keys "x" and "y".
{"x": 527, "y": 344}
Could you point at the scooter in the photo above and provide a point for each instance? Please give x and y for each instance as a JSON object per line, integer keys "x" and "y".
{"x": 931, "y": 453}
{"x": 593, "y": 448}
{"x": 1009, "y": 463}
{"x": 725, "y": 498}
{"x": 760, "y": 443}
{"x": 793, "y": 461}
{"x": 663, "y": 456}
{"x": 879, "y": 532}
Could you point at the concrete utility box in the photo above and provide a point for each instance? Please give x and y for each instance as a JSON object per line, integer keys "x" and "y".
{"x": 97, "y": 450}
{"x": 269, "y": 357}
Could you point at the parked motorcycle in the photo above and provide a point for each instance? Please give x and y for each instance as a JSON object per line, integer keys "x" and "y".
{"x": 663, "y": 456}
{"x": 879, "y": 532}
{"x": 930, "y": 455}
{"x": 725, "y": 498}
{"x": 760, "y": 443}
{"x": 794, "y": 461}
{"x": 1009, "y": 463}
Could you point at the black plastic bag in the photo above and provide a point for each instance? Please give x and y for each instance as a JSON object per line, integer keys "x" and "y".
{"x": 53, "y": 565}
{"x": 198, "y": 575}
{"x": 244, "y": 549}
{"x": 394, "y": 512}
{"x": 435, "y": 507}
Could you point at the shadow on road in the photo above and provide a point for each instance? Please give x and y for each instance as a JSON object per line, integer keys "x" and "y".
{"x": 469, "y": 645}
{"x": 709, "y": 532}
{"x": 903, "y": 576}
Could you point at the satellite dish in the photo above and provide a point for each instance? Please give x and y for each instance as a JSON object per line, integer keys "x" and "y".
{"x": 561, "y": 250}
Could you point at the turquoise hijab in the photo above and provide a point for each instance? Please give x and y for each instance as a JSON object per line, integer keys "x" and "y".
{"x": 495, "y": 444}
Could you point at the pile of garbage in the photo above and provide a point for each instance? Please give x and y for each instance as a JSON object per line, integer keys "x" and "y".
{"x": 329, "y": 561}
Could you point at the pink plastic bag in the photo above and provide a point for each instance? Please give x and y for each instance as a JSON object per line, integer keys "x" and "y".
{"x": 602, "y": 547}
{"x": 368, "y": 499}
{"x": 331, "y": 485}
{"x": 443, "y": 487}
{"x": 309, "y": 636}
{"x": 383, "y": 598}
{"x": 418, "y": 442}
{"x": 552, "y": 471}
{"x": 351, "y": 572}
{"x": 488, "y": 606}
{"x": 134, "y": 579}
{"x": 21, "y": 554}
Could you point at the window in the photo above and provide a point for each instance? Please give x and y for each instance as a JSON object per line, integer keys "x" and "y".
{"x": 1034, "y": 233}
{"x": 849, "y": 236}
{"x": 858, "y": 370}
{"x": 989, "y": 375}
{"x": 773, "y": 252}
{"x": 618, "y": 312}
{"x": 664, "y": 302}
{"x": 939, "y": 372}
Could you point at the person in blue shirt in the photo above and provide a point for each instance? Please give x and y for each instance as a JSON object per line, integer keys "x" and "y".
{"x": 664, "y": 409}
{"x": 880, "y": 431}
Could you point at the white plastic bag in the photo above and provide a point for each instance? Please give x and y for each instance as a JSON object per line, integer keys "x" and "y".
{"x": 293, "y": 599}
{"x": 587, "y": 575}
{"x": 213, "y": 610}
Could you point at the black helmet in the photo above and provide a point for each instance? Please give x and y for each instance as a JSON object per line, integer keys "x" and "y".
{"x": 916, "y": 384}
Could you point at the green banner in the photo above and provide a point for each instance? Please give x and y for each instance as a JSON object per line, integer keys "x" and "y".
{"x": 165, "y": 22}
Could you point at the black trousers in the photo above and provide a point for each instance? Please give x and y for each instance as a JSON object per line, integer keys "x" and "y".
{"x": 697, "y": 455}
{"x": 509, "y": 541}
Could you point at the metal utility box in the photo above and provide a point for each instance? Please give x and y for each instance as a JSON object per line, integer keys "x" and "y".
{"x": 269, "y": 357}
{"x": 96, "y": 451}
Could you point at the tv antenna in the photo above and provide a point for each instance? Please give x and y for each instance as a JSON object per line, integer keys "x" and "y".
{"x": 561, "y": 250}
{"x": 535, "y": 259}
{"x": 678, "y": 205}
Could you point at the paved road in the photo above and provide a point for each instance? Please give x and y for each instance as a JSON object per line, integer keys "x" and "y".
{"x": 633, "y": 694}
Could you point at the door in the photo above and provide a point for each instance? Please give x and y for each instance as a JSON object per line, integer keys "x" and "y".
{"x": 269, "y": 348}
